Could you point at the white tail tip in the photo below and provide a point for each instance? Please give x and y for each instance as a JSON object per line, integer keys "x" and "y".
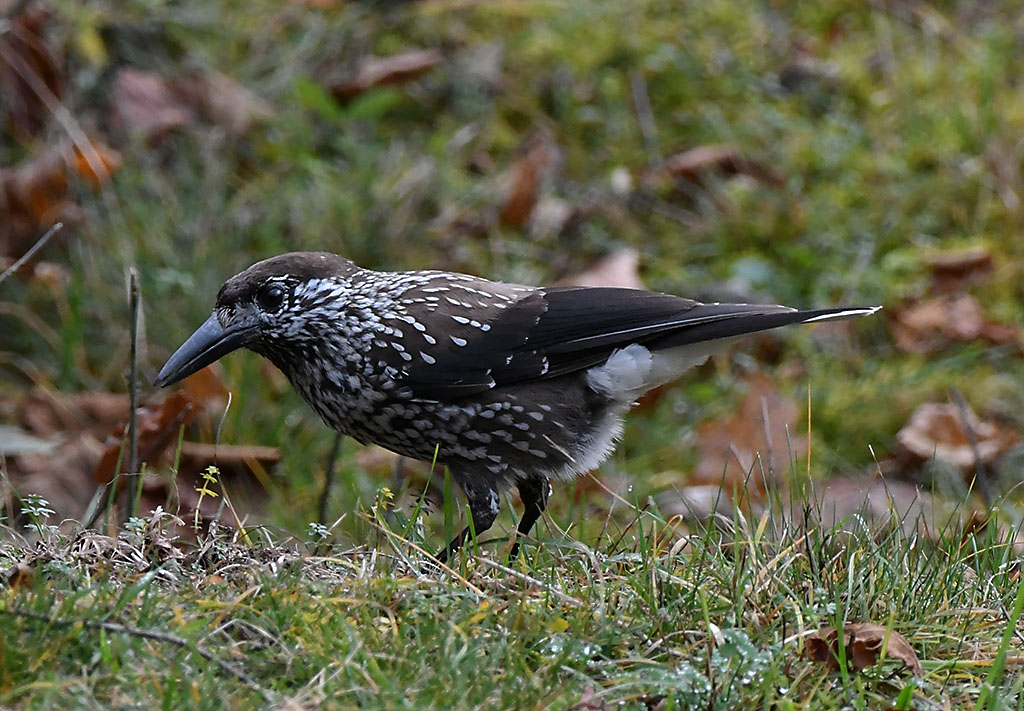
{"x": 848, "y": 313}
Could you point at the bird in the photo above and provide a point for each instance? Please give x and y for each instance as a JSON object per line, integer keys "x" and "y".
{"x": 504, "y": 384}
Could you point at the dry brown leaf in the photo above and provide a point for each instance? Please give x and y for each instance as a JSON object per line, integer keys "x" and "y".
{"x": 695, "y": 164}
{"x": 148, "y": 106}
{"x": 47, "y": 414}
{"x": 954, "y": 270}
{"x": 621, "y": 268}
{"x": 936, "y": 430}
{"x": 864, "y": 643}
{"x": 222, "y": 101}
{"x": 205, "y": 388}
{"x": 729, "y": 448}
{"x": 34, "y": 196}
{"x": 31, "y": 80}
{"x": 62, "y": 478}
{"x": 235, "y": 461}
{"x": 157, "y": 426}
{"x": 386, "y": 71}
{"x": 539, "y": 158}
{"x": 931, "y": 325}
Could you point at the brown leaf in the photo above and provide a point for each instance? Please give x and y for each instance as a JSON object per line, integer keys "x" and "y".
{"x": 157, "y": 426}
{"x": 34, "y": 196}
{"x": 932, "y": 325}
{"x": 373, "y": 72}
{"x": 222, "y": 101}
{"x": 729, "y": 448}
{"x": 620, "y": 268}
{"x": 235, "y": 462}
{"x": 954, "y": 270}
{"x": 694, "y": 164}
{"x": 31, "y": 80}
{"x": 47, "y": 414}
{"x": 205, "y": 388}
{"x": 865, "y": 643}
{"x": 147, "y": 105}
{"x": 936, "y": 430}
{"x": 62, "y": 478}
{"x": 539, "y": 158}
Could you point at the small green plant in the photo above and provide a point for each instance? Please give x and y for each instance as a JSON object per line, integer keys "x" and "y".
{"x": 38, "y": 510}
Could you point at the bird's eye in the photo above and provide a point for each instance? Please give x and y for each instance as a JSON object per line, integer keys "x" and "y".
{"x": 270, "y": 298}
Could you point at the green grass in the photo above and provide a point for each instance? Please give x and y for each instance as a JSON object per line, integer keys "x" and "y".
{"x": 712, "y": 619}
{"x": 908, "y": 144}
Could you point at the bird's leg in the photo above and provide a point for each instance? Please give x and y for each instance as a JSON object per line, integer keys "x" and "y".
{"x": 534, "y": 492}
{"x": 484, "y": 506}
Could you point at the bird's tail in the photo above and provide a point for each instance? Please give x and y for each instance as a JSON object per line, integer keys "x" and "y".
{"x": 743, "y": 322}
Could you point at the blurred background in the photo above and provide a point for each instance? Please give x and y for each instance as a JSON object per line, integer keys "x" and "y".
{"x": 811, "y": 154}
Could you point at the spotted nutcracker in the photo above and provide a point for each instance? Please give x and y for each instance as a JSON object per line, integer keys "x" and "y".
{"x": 504, "y": 384}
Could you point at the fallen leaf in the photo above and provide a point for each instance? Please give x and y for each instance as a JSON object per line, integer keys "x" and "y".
{"x": 14, "y": 441}
{"x": 936, "y": 430}
{"x": 865, "y": 643}
{"x": 34, "y": 196}
{"x": 148, "y": 106}
{"x": 931, "y": 325}
{"x": 222, "y": 101}
{"x": 539, "y": 158}
{"x": 730, "y": 449}
{"x": 31, "y": 80}
{"x": 47, "y": 414}
{"x": 696, "y": 163}
{"x": 373, "y": 72}
{"x": 954, "y": 270}
{"x": 620, "y": 268}
{"x": 235, "y": 461}
{"x": 157, "y": 426}
{"x": 60, "y": 477}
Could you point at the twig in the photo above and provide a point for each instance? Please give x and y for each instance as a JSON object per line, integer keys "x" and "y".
{"x": 155, "y": 635}
{"x": 533, "y": 581}
{"x": 980, "y": 471}
{"x": 31, "y": 252}
{"x": 133, "y": 390}
{"x": 332, "y": 462}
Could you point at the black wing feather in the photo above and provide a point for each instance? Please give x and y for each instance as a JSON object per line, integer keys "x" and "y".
{"x": 560, "y": 330}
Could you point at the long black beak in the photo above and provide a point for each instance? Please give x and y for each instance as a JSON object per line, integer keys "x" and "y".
{"x": 207, "y": 344}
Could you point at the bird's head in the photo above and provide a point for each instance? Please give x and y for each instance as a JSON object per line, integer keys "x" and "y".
{"x": 273, "y": 302}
